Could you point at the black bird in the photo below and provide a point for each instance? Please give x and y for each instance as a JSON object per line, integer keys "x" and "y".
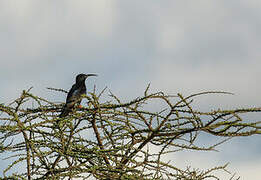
{"x": 75, "y": 94}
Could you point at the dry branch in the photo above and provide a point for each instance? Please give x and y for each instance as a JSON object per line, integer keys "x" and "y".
{"x": 109, "y": 140}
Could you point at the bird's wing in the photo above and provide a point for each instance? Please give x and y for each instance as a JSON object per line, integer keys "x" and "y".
{"x": 74, "y": 95}
{"x": 71, "y": 93}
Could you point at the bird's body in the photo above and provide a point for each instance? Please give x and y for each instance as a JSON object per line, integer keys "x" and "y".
{"x": 75, "y": 94}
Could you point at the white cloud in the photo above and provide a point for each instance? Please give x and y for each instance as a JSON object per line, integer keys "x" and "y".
{"x": 34, "y": 31}
{"x": 181, "y": 47}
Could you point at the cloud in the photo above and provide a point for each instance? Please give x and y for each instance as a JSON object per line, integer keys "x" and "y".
{"x": 183, "y": 47}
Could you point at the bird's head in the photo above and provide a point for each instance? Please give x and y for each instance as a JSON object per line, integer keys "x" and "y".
{"x": 82, "y": 77}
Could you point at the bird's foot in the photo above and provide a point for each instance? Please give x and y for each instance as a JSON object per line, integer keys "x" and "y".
{"x": 80, "y": 107}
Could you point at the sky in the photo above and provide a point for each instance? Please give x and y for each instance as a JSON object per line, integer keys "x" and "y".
{"x": 177, "y": 46}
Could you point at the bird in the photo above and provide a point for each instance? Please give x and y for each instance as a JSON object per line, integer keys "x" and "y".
{"x": 75, "y": 94}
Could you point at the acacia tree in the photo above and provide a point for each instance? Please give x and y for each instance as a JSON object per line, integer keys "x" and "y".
{"x": 112, "y": 139}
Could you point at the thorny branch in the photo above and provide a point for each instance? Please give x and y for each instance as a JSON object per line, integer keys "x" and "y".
{"x": 111, "y": 139}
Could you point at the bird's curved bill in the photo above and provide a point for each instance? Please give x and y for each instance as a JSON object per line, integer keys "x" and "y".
{"x": 87, "y": 75}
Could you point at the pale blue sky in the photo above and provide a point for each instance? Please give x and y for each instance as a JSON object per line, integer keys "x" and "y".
{"x": 177, "y": 46}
